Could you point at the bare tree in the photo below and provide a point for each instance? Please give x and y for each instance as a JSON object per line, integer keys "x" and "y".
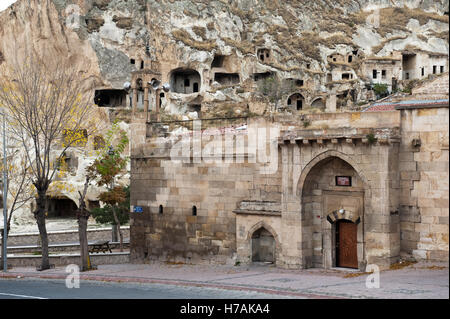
{"x": 19, "y": 186}
{"x": 49, "y": 107}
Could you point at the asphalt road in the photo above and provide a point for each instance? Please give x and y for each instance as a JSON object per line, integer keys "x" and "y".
{"x": 56, "y": 289}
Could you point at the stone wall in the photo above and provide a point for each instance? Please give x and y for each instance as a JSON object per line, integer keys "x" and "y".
{"x": 397, "y": 195}
{"x": 168, "y": 188}
{"x": 424, "y": 173}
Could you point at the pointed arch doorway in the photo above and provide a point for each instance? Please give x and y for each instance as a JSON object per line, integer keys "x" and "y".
{"x": 333, "y": 209}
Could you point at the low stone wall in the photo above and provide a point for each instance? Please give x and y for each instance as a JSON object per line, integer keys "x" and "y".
{"x": 67, "y": 259}
{"x": 60, "y": 248}
{"x": 64, "y": 236}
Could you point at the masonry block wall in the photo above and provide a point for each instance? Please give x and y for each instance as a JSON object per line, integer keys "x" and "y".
{"x": 424, "y": 173}
{"x": 188, "y": 207}
{"x": 399, "y": 195}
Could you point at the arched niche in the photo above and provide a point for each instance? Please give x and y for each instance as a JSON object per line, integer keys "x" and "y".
{"x": 185, "y": 81}
{"x": 296, "y": 101}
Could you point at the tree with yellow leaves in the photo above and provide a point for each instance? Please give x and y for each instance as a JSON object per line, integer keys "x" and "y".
{"x": 48, "y": 105}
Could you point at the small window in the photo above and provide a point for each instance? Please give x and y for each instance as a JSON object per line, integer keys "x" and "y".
{"x": 350, "y": 59}
{"x": 434, "y": 69}
{"x": 308, "y": 66}
{"x": 289, "y": 102}
{"x": 442, "y": 69}
{"x": 423, "y": 71}
{"x": 132, "y": 61}
{"x": 194, "y": 210}
{"x": 299, "y": 105}
{"x": 187, "y": 82}
{"x": 344, "y": 181}
{"x": 407, "y": 76}
{"x": 383, "y": 74}
{"x": 374, "y": 74}
{"x": 217, "y": 61}
{"x": 161, "y": 209}
{"x": 195, "y": 87}
{"x": 299, "y": 82}
{"x": 334, "y": 59}
{"x": 345, "y": 76}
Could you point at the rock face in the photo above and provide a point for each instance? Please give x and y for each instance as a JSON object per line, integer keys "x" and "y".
{"x": 241, "y": 50}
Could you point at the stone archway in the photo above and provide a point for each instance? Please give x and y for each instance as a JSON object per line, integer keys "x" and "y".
{"x": 325, "y": 201}
{"x": 185, "y": 81}
{"x": 296, "y": 101}
{"x": 318, "y": 103}
{"x": 263, "y": 246}
{"x": 264, "y": 243}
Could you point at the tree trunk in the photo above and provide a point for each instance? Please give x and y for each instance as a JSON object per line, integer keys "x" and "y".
{"x": 1, "y": 259}
{"x": 84, "y": 246}
{"x": 39, "y": 214}
{"x": 115, "y": 233}
{"x": 83, "y": 216}
{"x": 118, "y": 227}
{"x": 3, "y": 241}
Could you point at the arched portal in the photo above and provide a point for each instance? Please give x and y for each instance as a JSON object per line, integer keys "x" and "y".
{"x": 263, "y": 246}
{"x": 332, "y": 214}
{"x": 318, "y": 103}
{"x": 296, "y": 101}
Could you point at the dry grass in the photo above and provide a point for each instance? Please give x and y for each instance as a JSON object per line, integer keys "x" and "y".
{"x": 379, "y": 47}
{"x": 441, "y": 35}
{"x": 200, "y": 31}
{"x": 356, "y": 274}
{"x": 245, "y": 47}
{"x": 397, "y": 18}
{"x": 434, "y": 267}
{"x": 401, "y": 265}
{"x": 185, "y": 37}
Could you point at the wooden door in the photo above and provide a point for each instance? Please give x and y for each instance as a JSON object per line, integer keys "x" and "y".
{"x": 346, "y": 239}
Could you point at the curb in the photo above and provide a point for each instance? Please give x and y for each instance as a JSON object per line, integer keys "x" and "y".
{"x": 103, "y": 278}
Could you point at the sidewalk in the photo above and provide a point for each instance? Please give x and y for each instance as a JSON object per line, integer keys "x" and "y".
{"x": 421, "y": 280}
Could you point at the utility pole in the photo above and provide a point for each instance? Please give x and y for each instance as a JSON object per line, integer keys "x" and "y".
{"x": 5, "y": 194}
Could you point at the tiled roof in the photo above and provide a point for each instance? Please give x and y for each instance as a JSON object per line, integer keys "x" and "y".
{"x": 391, "y": 106}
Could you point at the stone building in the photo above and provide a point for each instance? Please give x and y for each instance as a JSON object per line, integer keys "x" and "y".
{"x": 346, "y": 190}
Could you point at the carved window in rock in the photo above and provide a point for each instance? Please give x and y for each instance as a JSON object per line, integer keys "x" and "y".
{"x": 110, "y": 98}
{"x": 185, "y": 81}
{"x": 263, "y": 54}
